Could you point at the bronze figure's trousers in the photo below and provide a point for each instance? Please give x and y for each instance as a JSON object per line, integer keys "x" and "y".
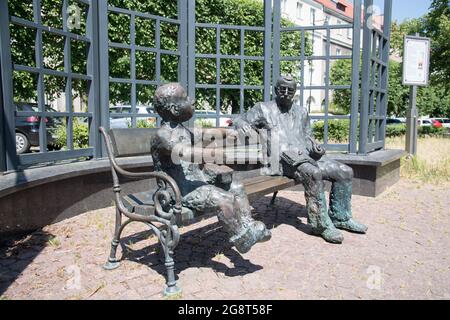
{"x": 312, "y": 178}
{"x": 233, "y": 211}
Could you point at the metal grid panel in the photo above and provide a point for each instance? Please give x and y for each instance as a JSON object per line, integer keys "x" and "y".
{"x": 40, "y": 71}
{"x": 374, "y": 87}
{"x": 327, "y": 87}
{"x": 369, "y": 107}
{"x": 134, "y": 48}
{"x": 218, "y": 57}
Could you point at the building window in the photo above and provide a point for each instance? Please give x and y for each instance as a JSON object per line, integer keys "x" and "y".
{"x": 349, "y": 33}
{"x": 313, "y": 16}
{"x": 284, "y": 6}
{"x": 299, "y": 10}
{"x": 341, "y": 6}
{"x": 338, "y": 52}
{"x": 339, "y": 22}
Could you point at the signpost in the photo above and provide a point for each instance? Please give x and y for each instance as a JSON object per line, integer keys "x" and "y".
{"x": 416, "y": 66}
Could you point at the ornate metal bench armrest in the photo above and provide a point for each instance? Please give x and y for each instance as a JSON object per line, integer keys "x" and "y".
{"x": 162, "y": 195}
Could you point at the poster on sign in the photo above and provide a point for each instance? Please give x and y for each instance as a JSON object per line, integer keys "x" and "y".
{"x": 416, "y": 63}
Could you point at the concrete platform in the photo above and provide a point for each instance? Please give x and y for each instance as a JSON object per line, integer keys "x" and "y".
{"x": 38, "y": 197}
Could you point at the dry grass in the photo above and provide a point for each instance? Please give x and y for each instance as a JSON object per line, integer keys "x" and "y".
{"x": 432, "y": 163}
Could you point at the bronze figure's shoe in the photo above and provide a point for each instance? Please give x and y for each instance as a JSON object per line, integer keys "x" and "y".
{"x": 331, "y": 235}
{"x": 351, "y": 225}
{"x": 255, "y": 232}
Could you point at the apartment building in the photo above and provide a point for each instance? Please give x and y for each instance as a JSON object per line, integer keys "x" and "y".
{"x": 317, "y": 13}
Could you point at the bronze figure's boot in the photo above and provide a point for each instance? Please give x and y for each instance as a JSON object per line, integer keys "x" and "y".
{"x": 251, "y": 231}
{"x": 320, "y": 221}
{"x": 340, "y": 208}
{"x": 249, "y": 235}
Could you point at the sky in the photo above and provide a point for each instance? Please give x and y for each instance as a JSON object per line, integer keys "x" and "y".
{"x": 403, "y": 9}
{"x": 407, "y": 9}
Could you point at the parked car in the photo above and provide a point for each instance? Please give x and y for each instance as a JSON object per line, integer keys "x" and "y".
{"x": 27, "y": 128}
{"x": 393, "y": 121}
{"x": 444, "y": 121}
{"x": 211, "y": 122}
{"x": 124, "y": 121}
{"x": 429, "y": 123}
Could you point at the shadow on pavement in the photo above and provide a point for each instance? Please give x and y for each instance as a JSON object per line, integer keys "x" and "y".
{"x": 199, "y": 247}
{"x": 17, "y": 252}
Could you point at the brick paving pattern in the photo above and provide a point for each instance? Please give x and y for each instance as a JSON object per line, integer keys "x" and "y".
{"x": 405, "y": 255}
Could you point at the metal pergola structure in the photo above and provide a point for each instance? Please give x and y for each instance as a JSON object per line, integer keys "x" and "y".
{"x": 369, "y": 88}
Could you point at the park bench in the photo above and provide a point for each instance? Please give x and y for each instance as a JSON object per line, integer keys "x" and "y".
{"x": 160, "y": 208}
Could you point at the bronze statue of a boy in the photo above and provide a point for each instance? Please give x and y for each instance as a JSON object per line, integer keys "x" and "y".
{"x": 205, "y": 188}
{"x": 301, "y": 158}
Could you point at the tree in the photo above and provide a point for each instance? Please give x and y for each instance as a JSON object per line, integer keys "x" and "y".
{"x": 399, "y": 30}
{"x": 234, "y": 12}
{"x": 437, "y": 27}
{"x": 341, "y": 72}
{"x": 433, "y": 100}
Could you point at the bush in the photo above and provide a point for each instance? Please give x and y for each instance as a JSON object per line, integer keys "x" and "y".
{"x": 338, "y": 130}
{"x": 80, "y": 135}
{"x": 431, "y": 131}
{"x": 397, "y": 130}
{"x": 144, "y": 123}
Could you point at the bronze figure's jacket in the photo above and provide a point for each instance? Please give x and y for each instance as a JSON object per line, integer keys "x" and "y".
{"x": 289, "y": 134}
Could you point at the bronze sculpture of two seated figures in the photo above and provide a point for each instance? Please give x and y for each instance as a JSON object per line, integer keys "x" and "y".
{"x": 209, "y": 187}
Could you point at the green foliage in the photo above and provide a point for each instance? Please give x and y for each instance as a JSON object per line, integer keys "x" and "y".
{"x": 233, "y": 12}
{"x": 435, "y": 99}
{"x": 23, "y": 50}
{"x": 338, "y": 130}
{"x": 203, "y": 123}
{"x": 437, "y": 27}
{"x": 80, "y": 135}
{"x": 399, "y": 30}
{"x": 398, "y": 94}
{"x": 417, "y": 168}
{"x": 431, "y": 131}
{"x": 397, "y": 130}
{"x": 144, "y": 123}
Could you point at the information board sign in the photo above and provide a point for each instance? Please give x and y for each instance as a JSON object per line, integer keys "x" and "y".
{"x": 416, "y": 61}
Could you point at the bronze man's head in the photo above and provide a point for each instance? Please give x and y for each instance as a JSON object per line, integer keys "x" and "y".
{"x": 285, "y": 89}
{"x": 172, "y": 103}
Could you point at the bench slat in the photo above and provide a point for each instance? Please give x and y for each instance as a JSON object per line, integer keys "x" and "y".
{"x": 257, "y": 189}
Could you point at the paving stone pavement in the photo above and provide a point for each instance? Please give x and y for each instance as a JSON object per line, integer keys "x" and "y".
{"x": 405, "y": 255}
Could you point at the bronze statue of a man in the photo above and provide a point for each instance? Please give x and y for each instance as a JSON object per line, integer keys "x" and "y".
{"x": 206, "y": 188}
{"x": 301, "y": 158}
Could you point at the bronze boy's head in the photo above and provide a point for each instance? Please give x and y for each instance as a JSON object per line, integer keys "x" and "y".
{"x": 285, "y": 89}
{"x": 172, "y": 103}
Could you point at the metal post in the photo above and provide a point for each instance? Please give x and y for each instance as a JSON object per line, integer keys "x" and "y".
{"x": 356, "y": 56}
{"x": 267, "y": 47}
{"x": 39, "y": 56}
{"x": 385, "y": 58}
{"x": 411, "y": 122}
{"x": 412, "y": 117}
{"x": 104, "y": 68}
{"x": 183, "y": 42}
{"x": 191, "y": 52}
{"x": 2, "y": 134}
{"x": 276, "y": 39}
{"x": 365, "y": 82}
{"x": 94, "y": 102}
{"x": 7, "y": 142}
